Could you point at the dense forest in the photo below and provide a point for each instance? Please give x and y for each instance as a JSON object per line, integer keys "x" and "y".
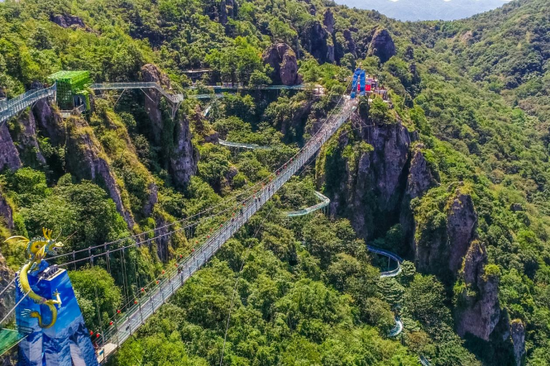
{"x": 453, "y": 176}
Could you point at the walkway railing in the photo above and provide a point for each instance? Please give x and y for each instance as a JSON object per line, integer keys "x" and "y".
{"x": 325, "y": 201}
{"x": 390, "y": 256}
{"x": 243, "y": 145}
{"x": 11, "y": 107}
{"x": 121, "y": 330}
{"x": 174, "y": 98}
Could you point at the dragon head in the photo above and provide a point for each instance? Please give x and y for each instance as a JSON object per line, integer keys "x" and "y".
{"x": 52, "y": 245}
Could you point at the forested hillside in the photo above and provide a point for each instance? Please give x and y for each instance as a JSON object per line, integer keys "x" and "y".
{"x": 453, "y": 176}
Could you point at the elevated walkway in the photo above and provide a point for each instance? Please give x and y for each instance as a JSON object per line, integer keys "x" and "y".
{"x": 11, "y": 107}
{"x": 325, "y": 201}
{"x": 174, "y": 98}
{"x": 390, "y": 256}
{"x": 242, "y": 145}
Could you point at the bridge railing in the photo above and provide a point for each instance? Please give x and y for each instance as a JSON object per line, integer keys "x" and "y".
{"x": 154, "y": 298}
{"x": 174, "y": 98}
{"x": 10, "y": 107}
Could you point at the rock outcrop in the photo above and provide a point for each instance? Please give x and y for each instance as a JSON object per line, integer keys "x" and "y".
{"x": 368, "y": 187}
{"x": 9, "y": 156}
{"x": 382, "y": 45}
{"x": 6, "y": 212}
{"x": 28, "y": 147}
{"x": 282, "y": 59}
{"x": 328, "y": 21}
{"x": 350, "y": 43}
{"x": 48, "y": 122}
{"x": 315, "y": 39}
{"x": 87, "y": 160}
{"x": 446, "y": 235}
{"x": 184, "y": 157}
{"x": 517, "y": 330}
{"x": 7, "y": 300}
{"x": 67, "y": 20}
{"x": 151, "y": 73}
{"x": 478, "y": 310}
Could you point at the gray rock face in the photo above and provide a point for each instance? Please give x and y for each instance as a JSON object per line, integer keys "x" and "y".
{"x": 151, "y": 73}
{"x": 350, "y": 43}
{"x": 372, "y": 193}
{"x": 448, "y": 243}
{"x": 282, "y": 59}
{"x": 6, "y": 212}
{"x": 151, "y": 200}
{"x": 26, "y": 137}
{"x": 478, "y": 310}
{"x": 86, "y": 160}
{"x": 67, "y": 20}
{"x": 49, "y": 123}
{"x": 461, "y": 226}
{"x": 7, "y": 300}
{"x": 315, "y": 39}
{"x": 184, "y": 158}
{"x": 421, "y": 177}
{"x": 9, "y": 156}
{"x": 382, "y": 45}
{"x": 517, "y": 330}
{"x": 328, "y": 21}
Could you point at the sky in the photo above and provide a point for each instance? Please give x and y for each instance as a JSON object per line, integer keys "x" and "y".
{"x": 426, "y": 9}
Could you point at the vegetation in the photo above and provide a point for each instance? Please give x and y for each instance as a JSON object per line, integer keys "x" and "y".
{"x": 472, "y": 93}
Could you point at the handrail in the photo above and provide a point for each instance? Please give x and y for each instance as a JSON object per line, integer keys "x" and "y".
{"x": 174, "y": 98}
{"x": 243, "y": 145}
{"x": 11, "y": 107}
{"x": 325, "y": 201}
{"x": 390, "y": 255}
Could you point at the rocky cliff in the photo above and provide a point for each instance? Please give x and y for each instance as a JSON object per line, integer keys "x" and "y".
{"x": 9, "y": 156}
{"x": 374, "y": 160}
{"x": 445, "y": 228}
{"x": 477, "y": 311}
{"x": 87, "y": 160}
{"x": 151, "y": 73}
{"x": 7, "y": 300}
{"x": 282, "y": 59}
{"x": 382, "y": 45}
{"x": 27, "y": 142}
{"x": 184, "y": 157}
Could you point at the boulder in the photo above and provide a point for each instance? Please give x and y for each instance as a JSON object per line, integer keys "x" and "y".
{"x": 9, "y": 156}
{"x": 48, "y": 122}
{"x": 282, "y": 59}
{"x": 382, "y": 45}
